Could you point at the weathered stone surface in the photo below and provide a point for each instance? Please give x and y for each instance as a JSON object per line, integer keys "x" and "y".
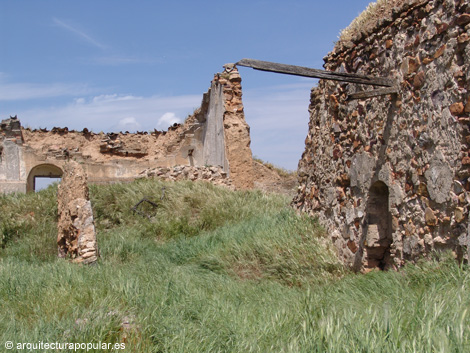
{"x": 237, "y": 133}
{"x": 457, "y": 108}
{"x": 413, "y": 64}
{"x": 439, "y": 240}
{"x": 419, "y": 80}
{"x": 416, "y": 143}
{"x": 112, "y": 144}
{"x": 459, "y": 214}
{"x": 463, "y": 19}
{"x": 439, "y": 178}
{"x": 431, "y": 219}
{"x": 439, "y": 52}
{"x": 352, "y": 246}
{"x": 76, "y": 230}
{"x": 373, "y": 237}
{"x": 467, "y": 106}
{"x": 361, "y": 171}
{"x": 214, "y": 175}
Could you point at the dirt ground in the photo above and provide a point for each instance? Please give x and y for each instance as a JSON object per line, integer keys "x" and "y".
{"x": 271, "y": 179}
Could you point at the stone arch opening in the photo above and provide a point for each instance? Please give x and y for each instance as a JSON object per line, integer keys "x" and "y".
{"x": 42, "y": 171}
{"x": 378, "y": 233}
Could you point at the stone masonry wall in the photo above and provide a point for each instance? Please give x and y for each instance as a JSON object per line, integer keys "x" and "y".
{"x": 236, "y": 130}
{"x": 213, "y": 175}
{"x": 215, "y": 135}
{"x": 76, "y": 229}
{"x": 389, "y": 176}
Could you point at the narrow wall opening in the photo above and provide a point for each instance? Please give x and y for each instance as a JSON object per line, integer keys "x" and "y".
{"x": 43, "y": 182}
{"x": 379, "y": 235}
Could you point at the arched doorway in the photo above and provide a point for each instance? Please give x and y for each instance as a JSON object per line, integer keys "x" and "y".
{"x": 379, "y": 236}
{"x": 47, "y": 171}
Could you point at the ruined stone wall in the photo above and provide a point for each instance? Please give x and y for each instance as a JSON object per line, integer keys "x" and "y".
{"x": 389, "y": 176}
{"x": 205, "y": 138}
{"x": 76, "y": 229}
{"x": 236, "y": 130}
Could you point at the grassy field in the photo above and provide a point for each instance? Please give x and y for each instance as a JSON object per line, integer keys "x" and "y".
{"x": 214, "y": 271}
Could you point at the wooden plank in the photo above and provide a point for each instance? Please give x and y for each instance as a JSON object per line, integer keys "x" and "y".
{"x": 308, "y": 72}
{"x": 373, "y": 93}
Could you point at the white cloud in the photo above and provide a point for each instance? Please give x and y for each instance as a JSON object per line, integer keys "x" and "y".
{"x": 108, "y": 98}
{"x": 167, "y": 120}
{"x": 105, "y": 112}
{"x": 128, "y": 124}
{"x": 81, "y": 34}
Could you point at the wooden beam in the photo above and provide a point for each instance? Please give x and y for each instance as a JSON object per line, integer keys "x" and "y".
{"x": 308, "y": 72}
{"x": 373, "y": 93}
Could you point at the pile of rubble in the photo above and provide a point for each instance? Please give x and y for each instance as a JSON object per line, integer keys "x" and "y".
{"x": 212, "y": 174}
{"x": 111, "y": 143}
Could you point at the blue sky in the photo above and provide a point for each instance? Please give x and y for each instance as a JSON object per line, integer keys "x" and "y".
{"x": 139, "y": 65}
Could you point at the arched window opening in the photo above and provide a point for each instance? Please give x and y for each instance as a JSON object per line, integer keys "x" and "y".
{"x": 42, "y": 176}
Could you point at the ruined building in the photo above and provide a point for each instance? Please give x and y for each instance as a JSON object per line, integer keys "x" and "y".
{"x": 215, "y": 135}
{"x": 386, "y": 170}
{"x": 389, "y": 175}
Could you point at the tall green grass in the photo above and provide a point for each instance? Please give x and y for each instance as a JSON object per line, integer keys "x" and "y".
{"x": 215, "y": 271}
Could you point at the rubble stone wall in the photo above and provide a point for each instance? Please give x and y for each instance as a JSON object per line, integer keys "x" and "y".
{"x": 204, "y": 139}
{"x": 213, "y": 175}
{"x": 389, "y": 176}
{"x": 76, "y": 228}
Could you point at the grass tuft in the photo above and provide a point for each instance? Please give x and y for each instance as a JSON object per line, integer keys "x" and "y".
{"x": 370, "y": 17}
{"x": 282, "y": 172}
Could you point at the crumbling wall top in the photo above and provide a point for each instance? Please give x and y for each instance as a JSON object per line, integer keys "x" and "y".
{"x": 375, "y": 17}
{"x": 11, "y": 129}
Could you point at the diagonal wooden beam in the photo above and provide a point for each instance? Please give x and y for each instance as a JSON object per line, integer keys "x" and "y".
{"x": 308, "y": 72}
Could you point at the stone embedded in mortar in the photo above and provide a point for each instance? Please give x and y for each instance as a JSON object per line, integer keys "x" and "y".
{"x": 213, "y": 174}
{"x": 467, "y": 106}
{"x": 456, "y": 108}
{"x": 419, "y": 80}
{"x": 352, "y": 246}
{"x": 459, "y": 214}
{"x": 439, "y": 52}
{"x": 431, "y": 219}
{"x": 76, "y": 230}
{"x": 463, "y": 19}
